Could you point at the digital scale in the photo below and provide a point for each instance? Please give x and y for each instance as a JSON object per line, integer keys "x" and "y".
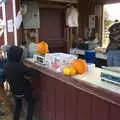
{"x": 39, "y": 59}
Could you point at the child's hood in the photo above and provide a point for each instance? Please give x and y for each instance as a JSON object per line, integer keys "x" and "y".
{"x": 15, "y": 54}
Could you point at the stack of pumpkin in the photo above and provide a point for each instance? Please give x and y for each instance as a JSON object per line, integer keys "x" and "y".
{"x": 78, "y": 66}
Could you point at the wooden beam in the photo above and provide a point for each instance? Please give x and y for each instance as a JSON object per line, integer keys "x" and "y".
{"x": 110, "y": 1}
{"x": 52, "y": 6}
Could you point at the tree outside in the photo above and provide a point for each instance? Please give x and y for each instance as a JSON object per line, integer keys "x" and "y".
{"x": 107, "y": 23}
{"x": 107, "y": 20}
{"x": 111, "y": 13}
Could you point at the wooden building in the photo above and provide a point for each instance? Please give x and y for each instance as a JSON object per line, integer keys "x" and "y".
{"x": 59, "y": 97}
{"x": 55, "y": 30}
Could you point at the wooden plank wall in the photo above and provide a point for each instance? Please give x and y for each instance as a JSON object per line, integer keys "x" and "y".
{"x": 86, "y": 8}
{"x": 1, "y": 38}
{"x": 59, "y": 101}
{"x": 9, "y": 15}
{"x": 110, "y": 1}
{"x": 52, "y": 22}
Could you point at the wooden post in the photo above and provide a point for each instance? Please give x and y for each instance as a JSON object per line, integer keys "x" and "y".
{"x": 4, "y": 19}
{"x": 68, "y": 39}
{"x": 14, "y": 17}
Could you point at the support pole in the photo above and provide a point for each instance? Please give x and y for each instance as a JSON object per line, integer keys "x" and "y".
{"x": 14, "y": 17}
{"x": 5, "y": 27}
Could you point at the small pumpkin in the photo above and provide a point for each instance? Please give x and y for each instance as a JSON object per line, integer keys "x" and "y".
{"x": 72, "y": 71}
{"x": 42, "y": 47}
{"x": 69, "y": 71}
{"x": 80, "y": 66}
{"x": 66, "y": 71}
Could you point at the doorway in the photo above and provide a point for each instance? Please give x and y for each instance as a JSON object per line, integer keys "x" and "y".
{"x": 52, "y": 28}
{"x": 110, "y": 16}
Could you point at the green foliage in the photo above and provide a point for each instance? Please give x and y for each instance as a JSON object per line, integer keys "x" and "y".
{"x": 107, "y": 23}
{"x": 107, "y": 20}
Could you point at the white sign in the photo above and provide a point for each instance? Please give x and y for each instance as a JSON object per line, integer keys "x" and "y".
{"x": 72, "y": 17}
{"x": 10, "y": 25}
{"x": 18, "y": 20}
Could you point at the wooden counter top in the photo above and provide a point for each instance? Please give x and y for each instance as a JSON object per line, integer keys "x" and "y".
{"x": 89, "y": 82}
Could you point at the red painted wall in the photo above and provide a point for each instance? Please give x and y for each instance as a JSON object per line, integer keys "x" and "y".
{"x": 56, "y": 100}
{"x": 52, "y": 28}
{"x": 1, "y": 38}
{"x": 9, "y": 15}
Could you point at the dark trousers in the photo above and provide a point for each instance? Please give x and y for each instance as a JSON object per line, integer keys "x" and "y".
{"x": 18, "y": 106}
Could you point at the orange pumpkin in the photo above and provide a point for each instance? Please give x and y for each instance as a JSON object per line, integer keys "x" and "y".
{"x": 80, "y": 66}
{"x": 42, "y": 47}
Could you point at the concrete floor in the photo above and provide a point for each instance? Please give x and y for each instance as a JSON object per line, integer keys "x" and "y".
{"x": 7, "y": 105}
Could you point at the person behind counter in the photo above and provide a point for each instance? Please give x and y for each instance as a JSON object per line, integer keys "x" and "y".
{"x": 32, "y": 47}
{"x": 113, "y": 49}
{"x": 32, "y": 44}
{"x": 24, "y": 46}
{"x": 20, "y": 87}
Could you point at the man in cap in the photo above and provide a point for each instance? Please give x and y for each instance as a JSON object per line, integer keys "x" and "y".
{"x": 113, "y": 49}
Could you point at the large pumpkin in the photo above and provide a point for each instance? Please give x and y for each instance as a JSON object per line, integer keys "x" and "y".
{"x": 42, "y": 47}
{"x": 80, "y": 66}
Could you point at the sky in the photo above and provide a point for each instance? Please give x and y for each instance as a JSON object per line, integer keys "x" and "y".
{"x": 113, "y": 11}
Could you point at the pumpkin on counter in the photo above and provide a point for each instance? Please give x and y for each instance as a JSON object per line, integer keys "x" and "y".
{"x": 72, "y": 71}
{"x": 69, "y": 71}
{"x": 42, "y": 47}
{"x": 66, "y": 71}
{"x": 80, "y": 66}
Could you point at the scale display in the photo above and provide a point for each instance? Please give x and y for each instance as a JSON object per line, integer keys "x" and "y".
{"x": 40, "y": 59}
